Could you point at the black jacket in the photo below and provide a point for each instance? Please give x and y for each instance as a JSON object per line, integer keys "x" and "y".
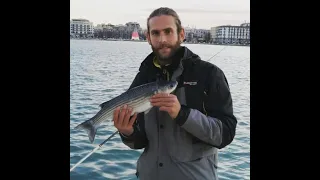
{"x": 206, "y": 90}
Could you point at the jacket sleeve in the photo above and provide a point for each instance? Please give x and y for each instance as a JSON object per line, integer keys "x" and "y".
{"x": 218, "y": 126}
{"x": 138, "y": 139}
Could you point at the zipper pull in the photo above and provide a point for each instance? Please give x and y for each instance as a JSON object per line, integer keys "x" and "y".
{"x": 164, "y": 71}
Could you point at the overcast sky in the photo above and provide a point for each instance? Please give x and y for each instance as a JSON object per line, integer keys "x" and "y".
{"x": 208, "y": 13}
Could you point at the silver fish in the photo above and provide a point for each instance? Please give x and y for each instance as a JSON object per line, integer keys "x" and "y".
{"x": 136, "y": 98}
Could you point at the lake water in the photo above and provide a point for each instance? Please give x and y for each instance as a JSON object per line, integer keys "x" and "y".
{"x": 101, "y": 70}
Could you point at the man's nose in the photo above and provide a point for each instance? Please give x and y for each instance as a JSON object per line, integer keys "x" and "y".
{"x": 163, "y": 38}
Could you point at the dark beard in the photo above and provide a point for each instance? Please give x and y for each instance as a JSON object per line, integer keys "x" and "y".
{"x": 166, "y": 60}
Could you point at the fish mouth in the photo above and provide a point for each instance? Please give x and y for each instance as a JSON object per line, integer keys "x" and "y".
{"x": 168, "y": 88}
{"x": 172, "y": 87}
{"x": 175, "y": 86}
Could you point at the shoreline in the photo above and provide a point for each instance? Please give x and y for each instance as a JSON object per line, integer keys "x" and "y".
{"x": 129, "y": 40}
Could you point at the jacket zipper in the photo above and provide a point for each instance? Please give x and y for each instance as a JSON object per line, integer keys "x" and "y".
{"x": 204, "y": 109}
{"x": 165, "y": 72}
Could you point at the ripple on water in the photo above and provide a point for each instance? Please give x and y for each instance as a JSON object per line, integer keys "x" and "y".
{"x": 101, "y": 70}
{"x": 243, "y": 123}
{"x": 108, "y": 90}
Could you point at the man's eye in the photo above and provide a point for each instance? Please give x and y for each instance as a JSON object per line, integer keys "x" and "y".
{"x": 155, "y": 33}
{"x": 167, "y": 31}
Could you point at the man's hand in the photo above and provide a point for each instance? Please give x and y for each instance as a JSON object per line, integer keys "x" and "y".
{"x": 122, "y": 121}
{"x": 166, "y": 102}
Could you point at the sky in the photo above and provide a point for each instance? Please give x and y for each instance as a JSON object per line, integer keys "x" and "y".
{"x": 204, "y": 15}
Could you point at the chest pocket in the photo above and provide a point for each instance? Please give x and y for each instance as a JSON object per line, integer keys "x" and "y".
{"x": 195, "y": 93}
{"x": 195, "y": 85}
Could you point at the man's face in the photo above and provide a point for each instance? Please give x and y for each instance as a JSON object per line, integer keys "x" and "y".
{"x": 163, "y": 37}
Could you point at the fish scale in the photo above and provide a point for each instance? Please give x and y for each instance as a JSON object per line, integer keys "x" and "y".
{"x": 136, "y": 98}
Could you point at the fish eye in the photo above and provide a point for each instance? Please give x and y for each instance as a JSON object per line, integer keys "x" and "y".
{"x": 171, "y": 85}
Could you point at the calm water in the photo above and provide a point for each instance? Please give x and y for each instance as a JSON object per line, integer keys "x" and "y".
{"x": 101, "y": 70}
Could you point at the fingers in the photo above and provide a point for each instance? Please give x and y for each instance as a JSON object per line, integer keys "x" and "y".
{"x": 115, "y": 116}
{"x": 168, "y": 109}
{"x": 163, "y": 100}
{"x": 160, "y": 104}
{"x": 133, "y": 119}
{"x": 122, "y": 114}
{"x": 167, "y": 100}
{"x": 163, "y": 95}
{"x": 127, "y": 117}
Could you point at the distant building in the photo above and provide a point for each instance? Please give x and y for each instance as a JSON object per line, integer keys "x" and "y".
{"x": 120, "y": 27}
{"x": 228, "y": 34}
{"x": 195, "y": 35}
{"x": 132, "y": 25}
{"x": 81, "y": 28}
{"x": 213, "y": 32}
{"x": 201, "y": 33}
{"x": 189, "y": 34}
{"x": 104, "y": 27}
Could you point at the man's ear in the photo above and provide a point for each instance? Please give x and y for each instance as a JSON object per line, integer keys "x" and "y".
{"x": 147, "y": 36}
{"x": 182, "y": 35}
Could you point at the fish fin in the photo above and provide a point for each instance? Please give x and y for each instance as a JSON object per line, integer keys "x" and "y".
{"x": 89, "y": 128}
{"x": 103, "y": 104}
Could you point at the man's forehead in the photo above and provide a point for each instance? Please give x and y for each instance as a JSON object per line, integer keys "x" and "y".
{"x": 162, "y": 22}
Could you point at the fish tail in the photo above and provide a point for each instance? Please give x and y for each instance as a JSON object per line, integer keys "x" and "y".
{"x": 89, "y": 128}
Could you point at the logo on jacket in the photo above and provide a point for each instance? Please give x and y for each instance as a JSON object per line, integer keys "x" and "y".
{"x": 191, "y": 83}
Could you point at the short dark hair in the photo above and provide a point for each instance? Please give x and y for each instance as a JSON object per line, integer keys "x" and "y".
{"x": 165, "y": 11}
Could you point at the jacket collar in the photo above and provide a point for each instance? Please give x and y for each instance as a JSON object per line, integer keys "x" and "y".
{"x": 188, "y": 55}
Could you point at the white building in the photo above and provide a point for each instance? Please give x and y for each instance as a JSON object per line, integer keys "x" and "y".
{"x": 231, "y": 34}
{"x": 189, "y": 33}
{"x": 81, "y": 28}
{"x": 213, "y": 32}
